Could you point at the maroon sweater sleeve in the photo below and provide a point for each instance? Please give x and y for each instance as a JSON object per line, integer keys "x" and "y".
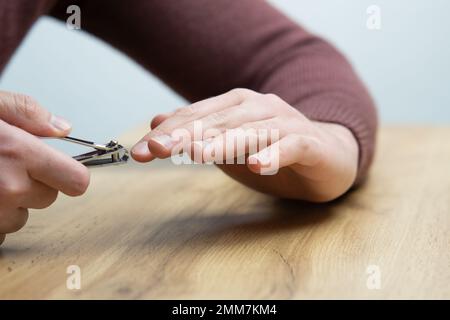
{"x": 202, "y": 48}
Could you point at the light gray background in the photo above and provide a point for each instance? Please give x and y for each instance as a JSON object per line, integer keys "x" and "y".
{"x": 103, "y": 93}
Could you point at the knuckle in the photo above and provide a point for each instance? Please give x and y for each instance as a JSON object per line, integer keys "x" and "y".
{"x": 299, "y": 142}
{"x": 10, "y": 190}
{"x": 306, "y": 144}
{"x": 217, "y": 118}
{"x": 26, "y": 105}
{"x": 159, "y": 131}
{"x": 247, "y": 127}
{"x": 9, "y": 149}
{"x": 81, "y": 182}
{"x": 241, "y": 110}
{"x": 49, "y": 199}
{"x": 17, "y": 223}
{"x": 264, "y": 127}
{"x": 242, "y": 93}
{"x": 273, "y": 99}
{"x": 157, "y": 120}
{"x": 13, "y": 221}
{"x": 76, "y": 182}
{"x": 185, "y": 111}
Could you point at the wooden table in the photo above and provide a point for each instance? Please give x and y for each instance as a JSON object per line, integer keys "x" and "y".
{"x": 164, "y": 231}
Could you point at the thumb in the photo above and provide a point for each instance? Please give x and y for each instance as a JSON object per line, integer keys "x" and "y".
{"x": 24, "y": 112}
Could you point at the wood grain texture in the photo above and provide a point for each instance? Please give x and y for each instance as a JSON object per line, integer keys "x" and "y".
{"x": 164, "y": 231}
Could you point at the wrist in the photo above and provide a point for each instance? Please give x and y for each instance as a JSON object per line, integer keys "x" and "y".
{"x": 337, "y": 170}
{"x": 339, "y": 135}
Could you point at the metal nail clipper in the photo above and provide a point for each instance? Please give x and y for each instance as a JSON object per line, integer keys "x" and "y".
{"x": 104, "y": 154}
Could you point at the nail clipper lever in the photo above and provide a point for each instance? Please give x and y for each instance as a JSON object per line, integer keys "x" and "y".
{"x": 107, "y": 154}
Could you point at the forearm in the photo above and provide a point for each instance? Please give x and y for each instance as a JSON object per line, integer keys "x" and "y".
{"x": 320, "y": 83}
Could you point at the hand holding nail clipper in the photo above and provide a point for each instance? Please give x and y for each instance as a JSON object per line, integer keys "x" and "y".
{"x": 32, "y": 172}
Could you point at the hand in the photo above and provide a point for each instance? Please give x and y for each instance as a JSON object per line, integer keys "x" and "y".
{"x": 316, "y": 161}
{"x": 32, "y": 173}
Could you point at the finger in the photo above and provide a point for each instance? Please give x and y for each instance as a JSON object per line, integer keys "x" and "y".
{"x": 209, "y": 126}
{"x": 55, "y": 169}
{"x": 12, "y": 220}
{"x": 291, "y": 149}
{"x": 24, "y": 112}
{"x": 157, "y": 120}
{"x": 229, "y": 118}
{"x": 202, "y": 108}
{"x": 140, "y": 152}
{"x": 163, "y": 126}
{"x": 39, "y": 196}
{"x": 255, "y": 108}
{"x": 231, "y": 145}
{"x": 245, "y": 140}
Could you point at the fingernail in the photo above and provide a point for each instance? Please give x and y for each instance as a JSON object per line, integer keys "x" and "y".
{"x": 263, "y": 158}
{"x": 208, "y": 147}
{"x": 141, "y": 148}
{"x": 60, "y": 123}
{"x": 165, "y": 141}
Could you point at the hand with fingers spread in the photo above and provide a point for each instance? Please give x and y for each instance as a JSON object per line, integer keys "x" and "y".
{"x": 314, "y": 161}
{"x": 32, "y": 173}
